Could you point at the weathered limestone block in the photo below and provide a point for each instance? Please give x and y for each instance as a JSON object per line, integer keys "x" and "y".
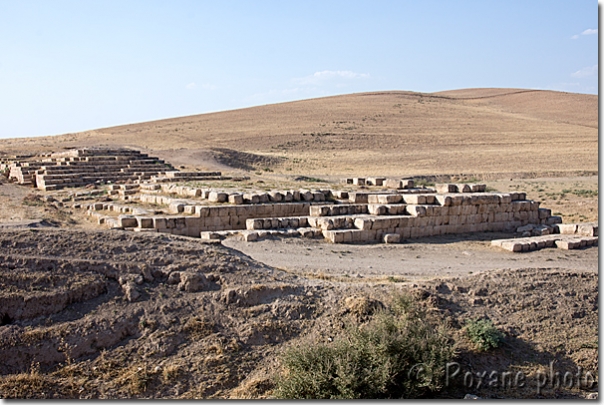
{"x": 363, "y": 223}
{"x": 126, "y": 221}
{"x": 235, "y": 198}
{"x": 445, "y": 188}
{"x": 250, "y": 236}
{"x": 377, "y": 209}
{"x": 464, "y": 188}
{"x": 216, "y": 196}
{"x": 416, "y": 210}
{"x": 319, "y": 210}
{"x": 415, "y": 199}
{"x": 144, "y": 222}
{"x": 254, "y": 223}
{"x": 392, "y": 238}
{"x": 388, "y": 198}
{"x": 176, "y": 207}
{"x": 545, "y": 213}
{"x": 567, "y": 229}
{"x": 275, "y": 196}
{"x": 207, "y": 235}
{"x": 553, "y": 220}
{"x": 478, "y": 188}
{"x": 358, "y": 181}
{"x": 190, "y": 209}
{"x": 250, "y": 198}
{"x": 318, "y": 196}
{"x": 358, "y": 198}
{"x": 588, "y": 229}
{"x": 306, "y": 195}
{"x": 568, "y": 244}
{"x": 393, "y": 183}
{"x": 407, "y": 183}
{"x": 396, "y": 209}
{"x": 443, "y": 200}
{"x": 375, "y": 181}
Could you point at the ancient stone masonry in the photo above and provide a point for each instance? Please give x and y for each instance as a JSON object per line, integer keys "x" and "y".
{"x": 562, "y": 236}
{"x": 387, "y": 215}
{"x": 375, "y": 209}
{"x": 80, "y": 167}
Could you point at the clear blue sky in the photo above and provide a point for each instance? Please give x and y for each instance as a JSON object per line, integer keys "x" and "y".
{"x": 69, "y": 66}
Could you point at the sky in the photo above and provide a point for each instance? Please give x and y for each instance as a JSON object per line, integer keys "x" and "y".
{"x": 75, "y": 65}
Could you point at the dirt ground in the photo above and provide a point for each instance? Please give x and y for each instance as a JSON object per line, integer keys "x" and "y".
{"x": 89, "y": 313}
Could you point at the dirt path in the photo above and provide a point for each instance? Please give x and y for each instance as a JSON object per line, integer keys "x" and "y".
{"x": 422, "y": 259}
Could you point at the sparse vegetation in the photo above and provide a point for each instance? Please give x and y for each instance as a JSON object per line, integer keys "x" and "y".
{"x": 484, "y": 334}
{"x": 310, "y": 179}
{"x": 379, "y": 359}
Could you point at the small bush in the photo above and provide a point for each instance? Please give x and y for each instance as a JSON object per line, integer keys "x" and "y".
{"x": 484, "y": 334}
{"x": 400, "y": 353}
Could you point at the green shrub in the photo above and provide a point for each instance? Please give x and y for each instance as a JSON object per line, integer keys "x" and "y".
{"x": 484, "y": 334}
{"x": 400, "y": 353}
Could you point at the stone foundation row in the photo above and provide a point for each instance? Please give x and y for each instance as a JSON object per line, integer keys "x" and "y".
{"x": 529, "y": 244}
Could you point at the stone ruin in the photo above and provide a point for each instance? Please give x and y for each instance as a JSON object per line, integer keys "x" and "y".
{"x": 387, "y": 216}
{"x": 399, "y": 210}
{"x": 82, "y": 167}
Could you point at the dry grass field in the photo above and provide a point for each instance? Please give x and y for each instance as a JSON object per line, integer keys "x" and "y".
{"x": 106, "y": 314}
{"x": 475, "y": 131}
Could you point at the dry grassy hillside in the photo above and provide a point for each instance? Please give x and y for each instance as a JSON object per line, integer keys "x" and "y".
{"x": 381, "y": 133}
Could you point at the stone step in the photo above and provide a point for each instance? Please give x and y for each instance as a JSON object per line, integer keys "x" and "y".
{"x": 276, "y": 223}
{"x": 533, "y": 243}
{"x": 337, "y": 209}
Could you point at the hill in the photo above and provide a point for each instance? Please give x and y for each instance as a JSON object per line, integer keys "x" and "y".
{"x": 488, "y": 131}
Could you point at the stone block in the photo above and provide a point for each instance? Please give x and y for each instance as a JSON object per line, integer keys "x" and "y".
{"x": 235, "y": 198}
{"x": 445, "y": 188}
{"x": 176, "y": 207}
{"x": 216, "y": 196}
{"x": 568, "y": 244}
{"x": 210, "y": 236}
{"x": 392, "y": 238}
{"x": 416, "y": 210}
{"x": 443, "y": 200}
{"x": 358, "y": 181}
{"x": 319, "y": 210}
{"x": 358, "y": 198}
{"x": 341, "y": 195}
{"x": 144, "y": 222}
{"x": 275, "y": 196}
{"x": 306, "y": 195}
{"x": 464, "y": 188}
{"x": 250, "y": 198}
{"x": 127, "y": 221}
{"x": 553, "y": 220}
{"x": 589, "y": 229}
{"x": 376, "y": 209}
{"x": 375, "y": 181}
{"x": 250, "y": 236}
{"x": 407, "y": 183}
{"x": 415, "y": 199}
{"x": 363, "y": 223}
{"x": 478, "y": 188}
{"x": 393, "y": 183}
{"x": 567, "y": 229}
{"x": 318, "y": 196}
{"x": 389, "y": 198}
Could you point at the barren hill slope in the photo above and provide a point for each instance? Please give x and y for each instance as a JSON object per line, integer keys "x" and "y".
{"x": 381, "y": 133}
